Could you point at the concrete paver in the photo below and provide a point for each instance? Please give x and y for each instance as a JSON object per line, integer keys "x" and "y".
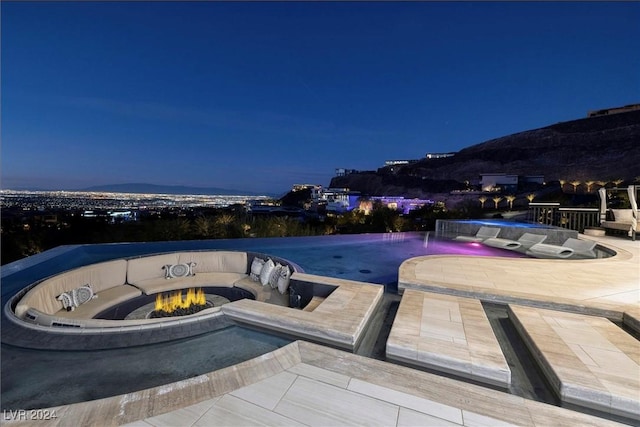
{"x": 449, "y": 334}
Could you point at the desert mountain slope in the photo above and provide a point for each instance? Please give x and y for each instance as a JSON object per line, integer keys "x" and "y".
{"x": 600, "y": 148}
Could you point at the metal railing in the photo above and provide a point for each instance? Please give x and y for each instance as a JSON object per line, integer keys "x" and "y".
{"x": 570, "y": 218}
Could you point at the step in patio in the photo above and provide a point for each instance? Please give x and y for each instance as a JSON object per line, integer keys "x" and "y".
{"x": 589, "y": 361}
{"x": 447, "y": 334}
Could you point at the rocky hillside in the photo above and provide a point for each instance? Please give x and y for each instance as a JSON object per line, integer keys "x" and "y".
{"x": 600, "y": 148}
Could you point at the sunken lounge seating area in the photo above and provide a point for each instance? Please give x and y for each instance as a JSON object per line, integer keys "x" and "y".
{"x": 86, "y": 292}
{"x": 87, "y": 307}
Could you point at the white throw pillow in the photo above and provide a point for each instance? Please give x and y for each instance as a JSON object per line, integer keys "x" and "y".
{"x": 275, "y": 274}
{"x": 283, "y": 279}
{"x": 256, "y": 268}
{"x": 265, "y": 274}
{"x": 172, "y": 271}
{"x": 67, "y": 301}
{"x": 622, "y": 215}
{"x": 76, "y": 297}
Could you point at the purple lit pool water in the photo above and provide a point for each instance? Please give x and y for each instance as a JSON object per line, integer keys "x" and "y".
{"x": 372, "y": 258}
{"x": 367, "y": 257}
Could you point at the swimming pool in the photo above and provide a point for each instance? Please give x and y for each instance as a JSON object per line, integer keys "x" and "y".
{"x": 40, "y": 379}
{"x": 78, "y": 376}
{"x": 372, "y": 258}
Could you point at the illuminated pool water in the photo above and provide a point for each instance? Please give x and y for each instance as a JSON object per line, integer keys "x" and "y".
{"x": 39, "y": 379}
{"x": 34, "y": 379}
{"x": 372, "y": 258}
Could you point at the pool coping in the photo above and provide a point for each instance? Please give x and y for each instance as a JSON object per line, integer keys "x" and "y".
{"x": 133, "y": 407}
{"x": 562, "y": 284}
{"x": 340, "y": 320}
{"x": 447, "y": 334}
{"x": 589, "y": 361}
{"x": 446, "y": 399}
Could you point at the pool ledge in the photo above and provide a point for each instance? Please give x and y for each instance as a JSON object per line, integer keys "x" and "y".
{"x": 340, "y": 320}
{"x": 305, "y": 383}
{"x": 606, "y": 287}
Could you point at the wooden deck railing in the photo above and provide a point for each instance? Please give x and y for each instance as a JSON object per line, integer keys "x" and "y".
{"x": 570, "y": 218}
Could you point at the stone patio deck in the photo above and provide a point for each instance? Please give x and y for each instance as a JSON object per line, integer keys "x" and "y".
{"x": 449, "y": 334}
{"x": 313, "y": 385}
{"x": 339, "y": 320}
{"x": 604, "y": 287}
{"x": 310, "y": 384}
{"x": 588, "y": 360}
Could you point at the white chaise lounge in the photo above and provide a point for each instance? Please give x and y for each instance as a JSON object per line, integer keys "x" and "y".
{"x": 620, "y": 219}
{"x": 483, "y": 234}
{"x": 582, "y": 247}
{"x": 568, "y": 248}
{"x": 623, "y": 220}
{"x": 525, "y": 241}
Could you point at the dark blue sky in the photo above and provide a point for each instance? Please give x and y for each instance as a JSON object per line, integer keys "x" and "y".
{"x": 259, "y": 96}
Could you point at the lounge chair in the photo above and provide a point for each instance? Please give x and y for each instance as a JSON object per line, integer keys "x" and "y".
{"x": 583, "y": 247}
{"x": 544, "y": 250}
{"x": 623, "y": 220}
{"x": 525, "y": 241}
{"x": 483, "y": 234}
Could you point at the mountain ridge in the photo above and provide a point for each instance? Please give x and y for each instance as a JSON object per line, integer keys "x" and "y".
{"x": 602, "y": 148}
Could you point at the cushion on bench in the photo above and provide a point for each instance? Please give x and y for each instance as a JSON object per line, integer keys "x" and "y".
{"x": 623, "y": 219}
{"x": 255, "y": 287}
{"x": 105, "y": 299}
{"x": 623, "y": 215}
{"x": 153, "y": 286}
{"x": 615, "y": 225}
{"x": 145, "y": 268}
{"x": 142, "y": 269}
{"x": 216, "y": 261}
{"x": 101, "y": 276}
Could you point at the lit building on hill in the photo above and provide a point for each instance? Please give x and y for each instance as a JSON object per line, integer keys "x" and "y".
{"x": 345, "y": 172}
{"x": 402, "y": 204}
{"x": 439, "y": 155}
{"x": 316, "y": 189}
{"x": 502, "y": 182}
{"x": 398, "y": 162}
{"x": 615, "y": 110}
{"x": 339, "y": 199}
{"x": 498, "y": 182}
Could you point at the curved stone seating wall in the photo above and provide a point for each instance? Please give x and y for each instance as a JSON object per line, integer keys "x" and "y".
{"x": 114, "y": 282}
{"x": 56, "y": 321}
{"x": 99, "y": 334}
{"x": 38, "y": 319}
{"x": 340, "y": 318}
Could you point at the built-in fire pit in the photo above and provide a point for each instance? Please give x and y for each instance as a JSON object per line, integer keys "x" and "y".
{"x": 173, "y": 304}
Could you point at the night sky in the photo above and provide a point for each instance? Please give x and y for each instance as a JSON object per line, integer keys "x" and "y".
{"x": 260, "y": 96}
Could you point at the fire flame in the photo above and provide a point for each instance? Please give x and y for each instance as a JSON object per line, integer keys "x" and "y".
{"x": 173, "y": 301}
